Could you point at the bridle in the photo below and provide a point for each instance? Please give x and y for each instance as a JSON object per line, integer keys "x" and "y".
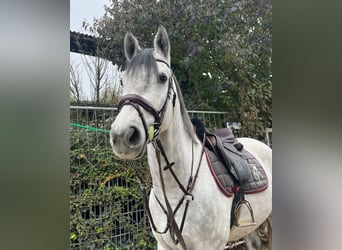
{"x": 152, "y": 132}
{"x": 152, "y": 136}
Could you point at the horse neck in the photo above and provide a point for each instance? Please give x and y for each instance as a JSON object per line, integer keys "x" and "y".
{"x": 177, "y": 145}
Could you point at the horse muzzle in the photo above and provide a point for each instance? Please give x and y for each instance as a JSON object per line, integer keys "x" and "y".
{"x": 127, "y": 138}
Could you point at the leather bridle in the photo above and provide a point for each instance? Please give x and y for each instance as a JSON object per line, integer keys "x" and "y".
{"x": 151, "y": 135}
{"x": 137, "y": 101}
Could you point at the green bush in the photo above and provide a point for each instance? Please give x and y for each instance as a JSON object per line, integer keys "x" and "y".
{"x": 106, "y": 209}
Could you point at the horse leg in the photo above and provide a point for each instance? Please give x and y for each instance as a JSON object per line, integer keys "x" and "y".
{"x": 265, "y": 232}
{"x": 253, "y": 241}
{"x": 268, "y": 229}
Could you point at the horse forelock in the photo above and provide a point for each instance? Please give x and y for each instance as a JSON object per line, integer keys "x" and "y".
{"x": 144, "y": 60}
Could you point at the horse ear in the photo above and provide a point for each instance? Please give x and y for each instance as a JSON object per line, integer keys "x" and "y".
{"x": 131, "y": 45}
{"x": 162, "y": 43}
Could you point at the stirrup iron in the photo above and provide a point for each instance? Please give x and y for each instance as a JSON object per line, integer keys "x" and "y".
{"x": 237, "y": 214}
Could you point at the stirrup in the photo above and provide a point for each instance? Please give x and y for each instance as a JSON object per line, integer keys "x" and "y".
{"x": 237, "y": 214}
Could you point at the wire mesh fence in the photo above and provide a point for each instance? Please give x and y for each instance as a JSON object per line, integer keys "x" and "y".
{"x": 106, "y": 209}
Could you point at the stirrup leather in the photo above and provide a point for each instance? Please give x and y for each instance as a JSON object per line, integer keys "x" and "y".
{"x": 237, "y": 214}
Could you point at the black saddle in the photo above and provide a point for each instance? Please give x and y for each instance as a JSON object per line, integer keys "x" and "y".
{"x": 235, "y": 170}
{"x": 243, "y": 169}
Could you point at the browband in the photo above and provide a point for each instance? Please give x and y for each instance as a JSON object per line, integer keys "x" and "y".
{"x": 159, "y": 60}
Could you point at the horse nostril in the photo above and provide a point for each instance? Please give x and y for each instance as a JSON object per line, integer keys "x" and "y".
{"x": 133, "y": 136}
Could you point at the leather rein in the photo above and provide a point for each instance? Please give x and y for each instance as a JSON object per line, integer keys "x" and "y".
{"x": 152, "y": 136}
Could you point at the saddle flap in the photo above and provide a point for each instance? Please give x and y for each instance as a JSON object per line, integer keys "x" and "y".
{"x": 247, "y": 171}
{"x": 237, "y": 161}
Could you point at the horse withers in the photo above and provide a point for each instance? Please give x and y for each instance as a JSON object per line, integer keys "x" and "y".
{"x": 186, "y": 208}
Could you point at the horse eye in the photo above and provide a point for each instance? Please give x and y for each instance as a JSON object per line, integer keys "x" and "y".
{"x": 162, "y": 78}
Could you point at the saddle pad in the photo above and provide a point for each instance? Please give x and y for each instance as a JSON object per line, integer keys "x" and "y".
{"x": 256, "y": 182}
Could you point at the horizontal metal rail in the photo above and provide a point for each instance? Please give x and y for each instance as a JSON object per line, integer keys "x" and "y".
{"x": 207, "y": 112}
{"x": 95, "y": 108}
{"x": 115, "y": 109}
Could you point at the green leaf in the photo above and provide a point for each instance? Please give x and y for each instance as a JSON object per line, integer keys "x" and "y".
{"x": 73, "y": 236}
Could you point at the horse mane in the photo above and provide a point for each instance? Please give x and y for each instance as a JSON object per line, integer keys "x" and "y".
{"x": 146, "y": 59}
{"x": 186, "y": 119}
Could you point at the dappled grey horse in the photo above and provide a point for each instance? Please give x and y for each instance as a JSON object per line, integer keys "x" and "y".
{"x": 186, "y": 209}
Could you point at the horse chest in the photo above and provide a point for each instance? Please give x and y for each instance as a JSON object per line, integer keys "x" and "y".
{"x": 202, "y": 224}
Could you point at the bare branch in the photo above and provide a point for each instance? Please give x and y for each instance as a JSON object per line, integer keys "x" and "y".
{"x": 75, "y": 83}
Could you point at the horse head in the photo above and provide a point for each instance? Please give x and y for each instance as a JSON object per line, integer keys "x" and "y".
{"x": 147, "y": 89}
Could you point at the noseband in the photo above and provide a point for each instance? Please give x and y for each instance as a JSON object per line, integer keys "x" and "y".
{"x": 137, "y": 101}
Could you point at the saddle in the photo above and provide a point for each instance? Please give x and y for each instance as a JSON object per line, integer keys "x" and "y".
{"x": 236, "y": 171}
{"x": 234, "y": 166}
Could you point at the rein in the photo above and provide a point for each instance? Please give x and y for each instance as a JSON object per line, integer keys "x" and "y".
{"x": 152, "y": 134}
{"x": 172, "y": 225}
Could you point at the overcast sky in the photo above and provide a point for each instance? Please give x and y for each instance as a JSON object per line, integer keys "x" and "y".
{"x": 84, "y": 10}
{"x": 81, "y": 10}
